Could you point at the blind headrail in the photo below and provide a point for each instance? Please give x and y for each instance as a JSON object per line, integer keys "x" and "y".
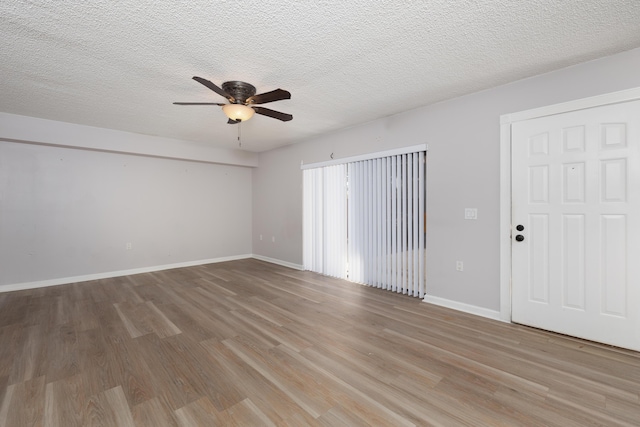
{"x": 369, "y": 156}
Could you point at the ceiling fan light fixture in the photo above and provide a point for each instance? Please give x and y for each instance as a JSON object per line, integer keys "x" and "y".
{"x": 238, "y": 112}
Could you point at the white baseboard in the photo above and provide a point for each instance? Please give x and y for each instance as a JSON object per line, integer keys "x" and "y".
{"x": 109, "y": 274}
{"x": 467, "y": 308}
{"x": 279, "y": 262}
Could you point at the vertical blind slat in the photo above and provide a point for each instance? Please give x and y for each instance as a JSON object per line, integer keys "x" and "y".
{"x": 416, "y": 226}
{"x": 368, "y": 224}
{"x": 423, "y": 222}
{"x": 394, "y": 223}
{"x": 388, "y": 251}
{"x": 380, "y": 224}
{"x": 402, "y": 233}
{"x": 360, "y": 222}
{"x": 353, "y": 241}
{"x": 409, "y": 219}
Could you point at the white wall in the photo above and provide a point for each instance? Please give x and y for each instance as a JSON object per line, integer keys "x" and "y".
{"x": 462, "y": 171}
{"x": 68, "y": 212}
{"x": 18, "y": 128}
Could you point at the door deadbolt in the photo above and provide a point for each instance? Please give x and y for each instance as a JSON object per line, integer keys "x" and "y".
{"x": 519, "y": 227}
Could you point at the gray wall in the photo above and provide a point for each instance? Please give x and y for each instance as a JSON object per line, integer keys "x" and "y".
{"x": 462, "y": 171}
{"x": 68, "y": 212}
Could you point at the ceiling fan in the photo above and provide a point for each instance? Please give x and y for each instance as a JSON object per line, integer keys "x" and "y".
{"x": 242, "y": 98}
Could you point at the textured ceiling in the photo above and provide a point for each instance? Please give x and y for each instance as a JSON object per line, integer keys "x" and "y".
{"x": 121, "y": 64}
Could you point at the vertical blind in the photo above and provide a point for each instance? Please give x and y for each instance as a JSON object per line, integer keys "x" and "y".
{"x": 365, "y": 221}
{"x": 325, "y": 226}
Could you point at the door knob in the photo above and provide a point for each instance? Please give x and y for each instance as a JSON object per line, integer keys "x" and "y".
{"x": 519, "y": 237}
{"x": 519, "y": 227}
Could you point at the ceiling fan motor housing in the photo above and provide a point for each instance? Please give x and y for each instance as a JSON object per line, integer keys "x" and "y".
{"x": 240, "y": 91}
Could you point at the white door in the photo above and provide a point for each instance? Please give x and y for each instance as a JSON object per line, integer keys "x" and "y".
{"x": 576, "y": 198}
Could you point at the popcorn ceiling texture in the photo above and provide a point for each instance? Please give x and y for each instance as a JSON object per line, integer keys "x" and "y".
{"x": 121, "y": 64}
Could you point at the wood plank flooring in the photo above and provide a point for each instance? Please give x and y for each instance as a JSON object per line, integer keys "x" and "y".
{"x": 247, "y": 343}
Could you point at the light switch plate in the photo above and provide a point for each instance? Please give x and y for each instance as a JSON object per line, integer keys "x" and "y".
{"x": 470, "y": 213}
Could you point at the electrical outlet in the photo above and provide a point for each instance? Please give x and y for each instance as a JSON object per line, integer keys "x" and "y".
{"x": 459, "y": 266}
{"x": 471, "y": 213}
{"x": 129, "y": 246}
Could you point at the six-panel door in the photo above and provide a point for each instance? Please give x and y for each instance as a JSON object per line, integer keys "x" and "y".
{"x": 576, "y": 196}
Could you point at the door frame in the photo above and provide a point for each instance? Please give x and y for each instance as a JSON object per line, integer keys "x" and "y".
{"x": 506, "y": 120}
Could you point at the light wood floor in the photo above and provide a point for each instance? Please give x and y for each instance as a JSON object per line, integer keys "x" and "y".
{"x": 248, "y": 343}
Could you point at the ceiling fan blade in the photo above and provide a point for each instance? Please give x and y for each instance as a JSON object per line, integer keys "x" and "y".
{"x": 275, "y": 114}
{"x": 233, "y": 122}
{"x": 198, "y": 103}
{"x": 213, "y": 87}
{"x": 274, "y": 95}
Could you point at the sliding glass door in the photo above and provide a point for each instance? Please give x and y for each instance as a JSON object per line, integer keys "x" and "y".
{"x": 365, "y": 220}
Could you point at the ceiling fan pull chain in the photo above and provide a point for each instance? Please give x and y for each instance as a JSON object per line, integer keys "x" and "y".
{"x": 239, "y": 141}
